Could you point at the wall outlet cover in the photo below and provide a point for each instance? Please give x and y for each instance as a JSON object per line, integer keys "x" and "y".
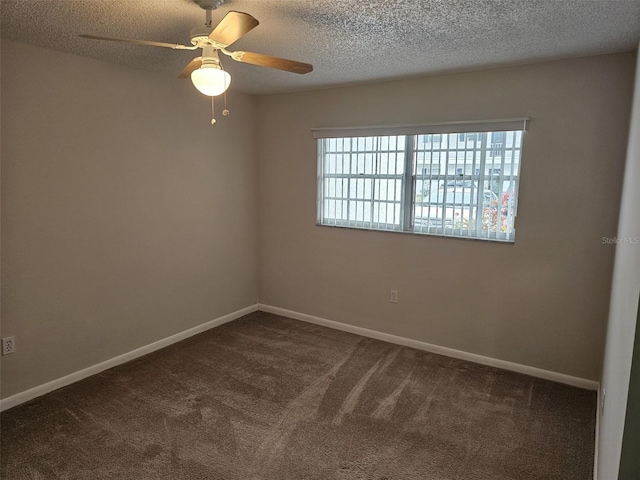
{"x": 8, "y": 345}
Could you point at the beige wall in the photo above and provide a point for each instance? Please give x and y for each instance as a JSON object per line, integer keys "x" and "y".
{"x": 126, "y": 217}
{"x": 541, "y": 302}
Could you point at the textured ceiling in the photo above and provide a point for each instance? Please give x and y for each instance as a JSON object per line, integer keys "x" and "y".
{"x": 345, "y": 40}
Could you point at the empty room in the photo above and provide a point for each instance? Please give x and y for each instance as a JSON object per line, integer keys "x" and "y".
{"x": 332, "y": 240}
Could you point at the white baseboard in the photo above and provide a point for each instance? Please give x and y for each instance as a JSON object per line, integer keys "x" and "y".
{"x": 32, "y": 393}
{"x": 35, "y": 392}
{"x": 599, "y": 407}
{"x": 449, "y": 352}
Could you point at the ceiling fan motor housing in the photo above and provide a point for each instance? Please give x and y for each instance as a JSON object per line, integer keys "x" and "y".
{"x": 199, "y": 35}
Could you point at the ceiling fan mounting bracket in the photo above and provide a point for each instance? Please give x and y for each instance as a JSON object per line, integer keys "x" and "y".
{"x": 208, "y": 4}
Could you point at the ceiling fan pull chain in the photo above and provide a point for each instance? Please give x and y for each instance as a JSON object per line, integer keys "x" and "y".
{"x": 213, "y": 113}
{"x": 225, "y": 112}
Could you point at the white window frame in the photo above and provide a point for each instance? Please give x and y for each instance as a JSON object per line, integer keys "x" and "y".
{"x": 407, "y": 220}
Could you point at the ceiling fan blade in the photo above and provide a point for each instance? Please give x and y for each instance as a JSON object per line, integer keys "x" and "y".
{"x": 272, "y": 62}
{"x": 193, "y": 65}
{"x": 233, "y": 26}
{"x": 175, "y": 46}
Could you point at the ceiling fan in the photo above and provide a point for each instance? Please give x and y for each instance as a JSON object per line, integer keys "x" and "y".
{"x": 206, "y": 72}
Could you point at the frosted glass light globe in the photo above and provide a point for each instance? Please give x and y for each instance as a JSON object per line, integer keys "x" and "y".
{"x": 210, "y": 80}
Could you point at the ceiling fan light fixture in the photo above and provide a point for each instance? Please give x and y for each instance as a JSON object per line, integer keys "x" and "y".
{"x": 210, "y": 80}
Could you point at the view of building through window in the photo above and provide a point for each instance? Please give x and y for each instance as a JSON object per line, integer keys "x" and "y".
{"x": 451, "y": 184}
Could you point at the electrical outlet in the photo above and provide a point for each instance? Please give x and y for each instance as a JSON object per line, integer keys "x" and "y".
{"x": 394, "y": 296}
{"x": 8, "y": 345}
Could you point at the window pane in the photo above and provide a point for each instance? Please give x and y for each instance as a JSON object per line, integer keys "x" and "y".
{"x": 472, "y": 191}
{"x": 463, "y": 184}
{"x": 362, "y": 181}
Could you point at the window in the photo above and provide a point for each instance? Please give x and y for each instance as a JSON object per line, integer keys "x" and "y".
{"x": 465, "y": 184}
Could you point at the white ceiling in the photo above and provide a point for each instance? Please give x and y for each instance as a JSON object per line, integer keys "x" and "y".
{"x": 345, "y": 40}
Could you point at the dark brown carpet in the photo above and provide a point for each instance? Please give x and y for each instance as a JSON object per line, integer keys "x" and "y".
{"x": 267, "y": 397}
